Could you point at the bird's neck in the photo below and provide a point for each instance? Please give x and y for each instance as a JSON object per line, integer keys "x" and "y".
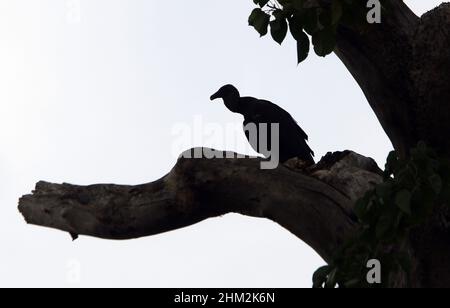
{"x": 232, "y": 103}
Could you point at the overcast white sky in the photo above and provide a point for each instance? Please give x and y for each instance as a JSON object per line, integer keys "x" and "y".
{"x": 94, "y": 99}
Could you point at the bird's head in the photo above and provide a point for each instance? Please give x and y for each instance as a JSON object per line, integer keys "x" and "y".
{"x": 227, "y": 93}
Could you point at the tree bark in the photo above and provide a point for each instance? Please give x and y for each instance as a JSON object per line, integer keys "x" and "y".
{"x": 402, "y": 66}
{"x": 430, "y": 73}
{"x": 314, "y": 204}
{"x": 379, "y": 60}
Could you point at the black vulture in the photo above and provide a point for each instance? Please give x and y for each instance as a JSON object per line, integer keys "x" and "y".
{"x": 292, "y": 139}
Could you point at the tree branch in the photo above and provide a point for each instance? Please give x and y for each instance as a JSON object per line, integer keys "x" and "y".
{"x": 314, "y": 204}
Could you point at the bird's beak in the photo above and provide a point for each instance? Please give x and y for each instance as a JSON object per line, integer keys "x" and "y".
{"x": 215, "y": 96}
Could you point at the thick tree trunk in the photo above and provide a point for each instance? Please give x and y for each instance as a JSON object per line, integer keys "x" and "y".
{"x": 403, "y": 67}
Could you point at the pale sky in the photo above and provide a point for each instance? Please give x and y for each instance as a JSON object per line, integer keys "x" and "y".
{"x": 93, "y": 98}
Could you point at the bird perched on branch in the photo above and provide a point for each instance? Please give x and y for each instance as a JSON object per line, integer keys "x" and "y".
{"x": 292, "y": 139}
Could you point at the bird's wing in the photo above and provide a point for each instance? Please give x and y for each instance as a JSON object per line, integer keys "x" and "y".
{"x": 262, "y": 111}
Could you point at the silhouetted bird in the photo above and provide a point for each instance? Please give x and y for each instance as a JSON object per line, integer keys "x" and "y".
{"x": 292, "y": 139}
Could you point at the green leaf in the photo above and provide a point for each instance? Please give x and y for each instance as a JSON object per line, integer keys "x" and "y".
{"x": 261, "y": 3}
{"x": 391, "y": 165}
{"x": 320, "y": 276}
{"x": 362, "y": 206}
{"x": 324, "y": 41}
{"x": 406, "y": 177}
{"x": 303, "y": 47}
{"x": 260, "y": 21}
{"x": 403, "y": 201}
{"x": 384, "y": 190}
{"x": 389, "y": 212}
{"x": 331, "y": 281}
{"x": 392, "y": 159}
{"x": 423, "y": 201}
{"x": 296, "y": 27}
{"x": 436, "y": 183}
{"x": 384, "y": 224}
{"x": 422, "y": 146}
{"x": 310, "y": 20}
{"x": 303, "y": 43}
{"x": 446, "y": 193}
{"x": 279, "y": 29}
